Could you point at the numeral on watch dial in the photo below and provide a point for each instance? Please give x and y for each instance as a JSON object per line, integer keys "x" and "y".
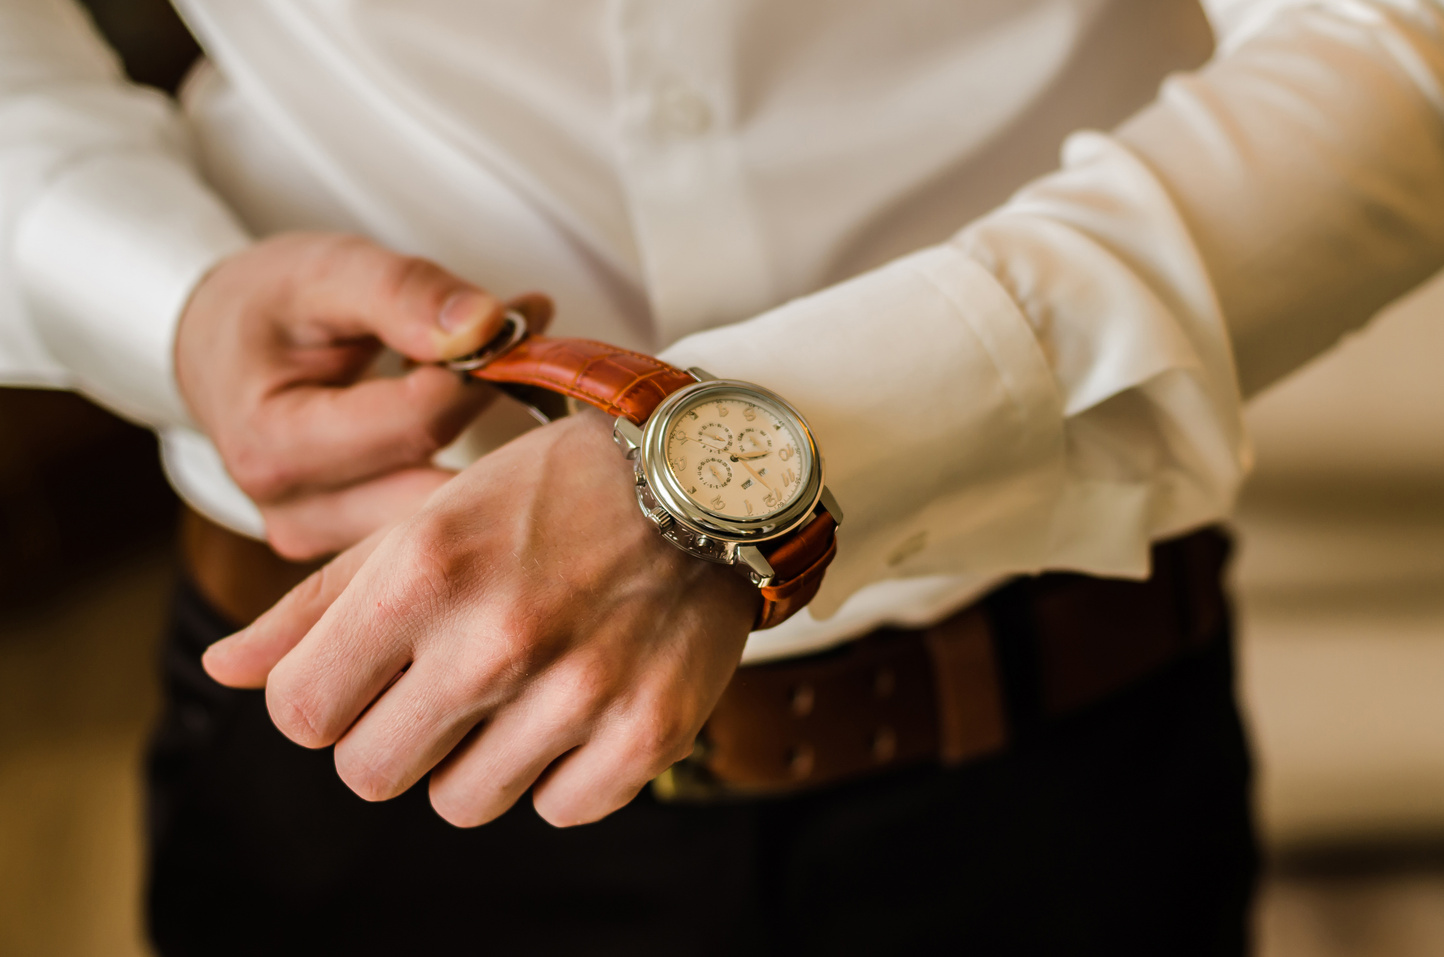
{"x": 735, "y": 470}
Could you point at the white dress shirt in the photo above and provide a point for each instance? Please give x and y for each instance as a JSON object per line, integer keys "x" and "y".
{"x": 774, "y": 192}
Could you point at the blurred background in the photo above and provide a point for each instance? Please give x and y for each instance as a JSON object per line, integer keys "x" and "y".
{"x": 1339, "y": 583}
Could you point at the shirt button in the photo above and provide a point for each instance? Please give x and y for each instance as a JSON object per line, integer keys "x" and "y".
{"x": 681, "y": 111}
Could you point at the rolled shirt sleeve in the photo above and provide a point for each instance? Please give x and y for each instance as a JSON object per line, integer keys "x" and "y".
{"x": 1056, "y": 387}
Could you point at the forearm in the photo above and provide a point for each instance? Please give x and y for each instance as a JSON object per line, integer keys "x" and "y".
{"x": 1308, "y": 164}
{"x": 1056, "y": 386}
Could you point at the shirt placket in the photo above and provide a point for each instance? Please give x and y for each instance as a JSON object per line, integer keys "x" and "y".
{"x": 703, "y": 257}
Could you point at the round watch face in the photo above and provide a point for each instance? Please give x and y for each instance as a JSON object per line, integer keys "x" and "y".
{"x": 737, "y": 455}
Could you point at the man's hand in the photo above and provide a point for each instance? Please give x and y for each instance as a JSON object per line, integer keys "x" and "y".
{"x": 527, "y": 625}
{"x": 271, "y": 356}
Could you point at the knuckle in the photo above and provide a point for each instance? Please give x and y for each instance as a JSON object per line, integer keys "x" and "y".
{"x": 573, "y": 810}
{"x": 262, "y": 475}
{"x": 454, "y": 812}
{"x": 555, "y": 813}
{"x": 313, "y": 589}
{"x": 521, "y": 642}
{"x": 369, "y": 781}
{"x": 430, "y": 563}
{"x": 405, "y": 275}
{"x": 513, "y": 643}
{"x": 430, "y": 434}
{"x": 461, "y": 809}
{"x": 476, "y": 678}
{"x": 327, "y": 254}
{"x": 296, "y": 715}
{"x": 659, "y": 737}
{"x": 500, "y": 659}
{"x": 589, "y": 688}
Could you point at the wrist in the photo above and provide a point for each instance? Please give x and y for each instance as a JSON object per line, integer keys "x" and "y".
{"x": 725, "y": 470}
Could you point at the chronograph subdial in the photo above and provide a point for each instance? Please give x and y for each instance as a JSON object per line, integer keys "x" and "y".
{"x": 751, "y": 444}
{"x": 735, "y": 457}
{"x": 715, "y": 436}
{"x": 714, "y": 473}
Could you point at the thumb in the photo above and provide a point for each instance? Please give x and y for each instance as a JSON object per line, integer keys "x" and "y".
{"x": 354, "y": 288}
{"x": 245, "y": 659}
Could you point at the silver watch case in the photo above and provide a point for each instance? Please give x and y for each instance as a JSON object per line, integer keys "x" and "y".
{"x": 689, "y": 526}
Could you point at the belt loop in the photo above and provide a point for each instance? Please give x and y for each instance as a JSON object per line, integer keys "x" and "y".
{"x": 971, "y": 719}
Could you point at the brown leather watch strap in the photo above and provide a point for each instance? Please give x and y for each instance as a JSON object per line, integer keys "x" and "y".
{"x": 624, "y": 383}
{"x": 798, "y": 562}
{"x": 617, "y": 381}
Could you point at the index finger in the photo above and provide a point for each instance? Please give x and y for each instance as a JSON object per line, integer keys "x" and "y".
{"x": 361, "y": 643}
{"x": 245, "y": 659}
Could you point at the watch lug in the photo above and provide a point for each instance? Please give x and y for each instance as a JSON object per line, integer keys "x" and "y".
{"x": 753, "y": 558}
{"x": 830, "y": 503}
{"x": 627, "y": 435}
{"x": 701, "y": 375}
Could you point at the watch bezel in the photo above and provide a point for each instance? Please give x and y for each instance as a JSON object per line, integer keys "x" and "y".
{"x": 670, "y": 494}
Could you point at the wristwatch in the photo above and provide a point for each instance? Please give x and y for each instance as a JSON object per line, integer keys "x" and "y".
{"x": 726, "y": 470}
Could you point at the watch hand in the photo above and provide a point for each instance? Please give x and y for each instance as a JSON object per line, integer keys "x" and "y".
{"x": 765, "y": 484}
{"x": 754, "y": 455}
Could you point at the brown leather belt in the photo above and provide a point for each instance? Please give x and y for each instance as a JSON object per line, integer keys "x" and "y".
{"x": 1030, "y": 652}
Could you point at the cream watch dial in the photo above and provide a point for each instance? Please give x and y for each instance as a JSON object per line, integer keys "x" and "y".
{"x": 736, "y": 456}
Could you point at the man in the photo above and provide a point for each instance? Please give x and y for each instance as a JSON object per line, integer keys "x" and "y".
{"x": 1055, "y": 387}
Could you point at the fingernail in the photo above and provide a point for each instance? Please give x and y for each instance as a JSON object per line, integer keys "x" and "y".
{"x": 465, "y": 310}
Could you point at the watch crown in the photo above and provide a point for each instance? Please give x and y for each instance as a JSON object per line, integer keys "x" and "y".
{"x": 660, "y": 516}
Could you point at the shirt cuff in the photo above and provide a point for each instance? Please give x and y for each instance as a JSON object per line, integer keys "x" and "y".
{"x": 198, "y": 475}
{"x": 107, "y": 258}
{"x": 934, "y": 407}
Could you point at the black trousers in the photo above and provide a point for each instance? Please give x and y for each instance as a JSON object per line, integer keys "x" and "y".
{"x": 1123, "y": 830}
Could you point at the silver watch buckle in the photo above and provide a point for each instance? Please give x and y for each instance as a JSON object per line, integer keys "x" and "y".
{"x": 514, "y": 330}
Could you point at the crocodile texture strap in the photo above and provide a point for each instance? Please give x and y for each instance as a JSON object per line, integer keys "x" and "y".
{"x": 617, "y": 381}
{"x": 629, "y": 384}
{"x": 798, "y": 561}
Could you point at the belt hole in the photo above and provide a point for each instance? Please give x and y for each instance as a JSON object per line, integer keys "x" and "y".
{"x": 884, "y": 683}
{"x": 803, "y": 698}
{"x": 800, "y": 760}
{"x": 884, "y": 744}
